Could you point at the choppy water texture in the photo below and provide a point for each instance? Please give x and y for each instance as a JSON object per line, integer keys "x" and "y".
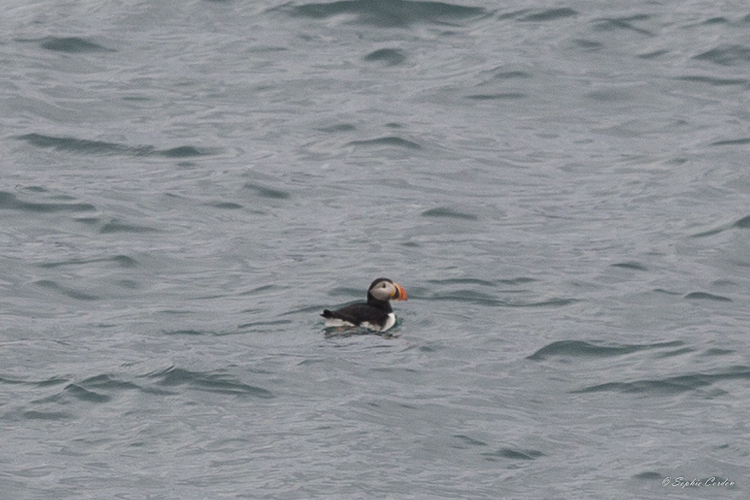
{"x": 562, "y": 189}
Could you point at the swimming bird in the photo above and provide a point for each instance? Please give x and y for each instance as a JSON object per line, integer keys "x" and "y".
{"x": 376, "y": 314}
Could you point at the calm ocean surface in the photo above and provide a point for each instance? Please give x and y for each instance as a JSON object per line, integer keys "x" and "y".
{"x": 562, "y": 188}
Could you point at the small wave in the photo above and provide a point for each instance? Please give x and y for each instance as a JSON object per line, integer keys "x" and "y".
{"x": 743, "y": 223}
{"x": 86, "y": 146}
{"x": 51, "y": 382}
{"x": 9, "y": 201}
{"x": 115, "y": 226}
{"x": 512, "y": 454}
{"x": 98, "y": 389}
{"x": 463, "y": 281}
{"x": 390, "y": 57}
{"x": 732, "y": 142}
{"x": 72, "y": 45}
{"x": 40, "y": 383}
{"x": 671, "y": 385}
{"x": 707, "y": 296}
{"x": 68, "y": 292}
{"x": 181, "y": 152}
{"x": 262, "y": 289}
{"x": 447, "y": 213}
{"x": 715, "y": 20}
{"x": 340, "y": 128}
{"x": 624, "y": 23}
{"x": 267, "y": 192}
{"x": 185, "y": 332}
{"x": 262, "y": 325}
{"x": 389, "y": 13}
{"x": 521, "y": 280}
{"x": 588, "y": 45}
{"x": 726, "y": 55}
{"x": 635, "y": 266}
{"x": 475, "y": 297}
{"x": 120, "y": 260}
{"x": 503, "y": 73}
{"x": 210, "y": 382}
{"x": 504, "y": 96}
{"x": 716, "y": 82}
{"x": 225, "y": 205}
{"x": 46, "y": 415}
{"x": 556, "y": 302}
{"x": 714, "y": 351}
{"x": 124, "y": 261}
{"x": 81, "y": 393}
{"x": 649, "y": 476}
{"x": 109, "y": 383}
{"x": 387, "y": 141}
{"x": 580, "y": 348}
{"x": 469, "y": 440}
{"x": 548, "y": 15}
{"x": 470, "y": 296}
{"x": 653, "y": 55}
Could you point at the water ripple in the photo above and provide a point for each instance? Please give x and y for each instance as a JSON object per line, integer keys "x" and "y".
{"x": 473, "y": 281}
{"x": 387, "y": 141}
{"x": 81, "y": 393}
{"x": 707, "y": 296}
{"x": 390, "y": 57}
{"x": 743, "y": 223}
{"x": 85, "y": 146}
{"x": 211, "y": 382}
{"x": 121, "y": 260}
{"x": 390, "y": 13}
{"x": 513, "y": 454}
{"x": 9, "y": 201}
{"x": 726, "y": 55}
{"x": 476, "y": 297}
{"x": 115, "y": 226}
{"x": 448, "y": 213}
{"x": 470, "y": 296}
{"x": 554, "y": 302}
{"x": 714, "y": 81}
{"x": 68, "y": 292}
{"x": 581, "y": 348}
{"x": 42, "y": 383}
{"x": 502, "y": 96}
{"x": 671, "y": 385}
{"x": 267, "y": 192}
{"x": 72, "y": 45}
{"x": 46, "y": 415}
{"x": 732, "y": 142}
{"x": 624, "y": 23}
{"x": 549, "y": 15}
{"x": 97, "y": 390}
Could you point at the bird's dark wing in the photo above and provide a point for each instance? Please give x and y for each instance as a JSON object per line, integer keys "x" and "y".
{"x": 338, "y": 315}
{"x": 358, "y": 313}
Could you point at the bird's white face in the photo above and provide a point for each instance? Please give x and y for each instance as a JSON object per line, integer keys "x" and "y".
{"x": 385, "y": 290}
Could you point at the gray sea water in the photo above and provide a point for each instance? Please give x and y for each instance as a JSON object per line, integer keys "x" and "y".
{"x": 562, "y": 188}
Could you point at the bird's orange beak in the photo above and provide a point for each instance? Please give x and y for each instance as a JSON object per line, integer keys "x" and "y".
{"x": 400, "y": 293}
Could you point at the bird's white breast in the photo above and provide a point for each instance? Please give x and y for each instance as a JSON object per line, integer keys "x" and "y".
{"x": 388, "y": 324}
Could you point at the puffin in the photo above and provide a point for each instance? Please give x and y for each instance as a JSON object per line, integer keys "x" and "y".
{"x": 376, "y": 314}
